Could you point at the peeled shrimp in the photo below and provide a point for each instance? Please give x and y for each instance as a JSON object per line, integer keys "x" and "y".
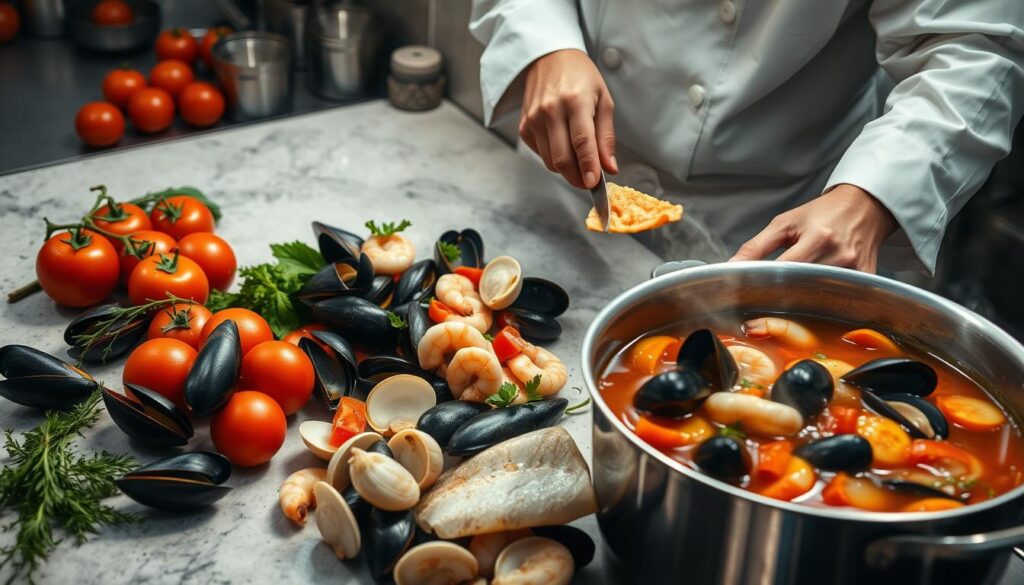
{"x": 755, "y": 365}
{"x": 480, "y": 317}
{"x": 534, "y": 361}
{"x": 789, "y": 332}
{"x": 454, "y": 291}
{"x": 296, "y": 494}
{"x": 474, "y": 374}
{"x": 389, "y": 255}
{"x": 441, "y": 341}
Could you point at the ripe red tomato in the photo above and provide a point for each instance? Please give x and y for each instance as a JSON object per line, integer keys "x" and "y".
{"x": 171, "y": 76}
{"x": 77, "y": 270}
{"x": 147, "y": 243}
{"x": 181, "y": 215}
{"x": 120, "y": 84}
{"x": 252, "y": 328}
{"x": 181, "y": 321}
{"x": 162, "y": 365}
{"x": 250, "y": 428}
{"x": 177, "y": 43}
{"x": 9, "y": 22}
{"x": 281, "y": 371}
{"x": 306, "y": 331}
{"x": 123, "y": 219}
{"x": 201, "y": 104}
{"x": 151, "y": 109}
{"x": 158, "y": 275}
{"x": 213, "y": 255}
{"x": 99, "y": 124}
{"x": 209, "y": 40}
{"x": 112, "y": 13}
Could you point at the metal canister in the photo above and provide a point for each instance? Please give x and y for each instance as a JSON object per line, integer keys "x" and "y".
{"x": 44, "y": 18}
{"x": 288, "y": 19}
{"x": 416, "y": 82}
{"x": 255, "y": 70}
{"x": 342, "y": 46}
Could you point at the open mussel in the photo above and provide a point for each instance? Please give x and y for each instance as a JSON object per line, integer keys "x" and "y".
{"x": 416, "y": 283}
{"x": 119, "y": 336}
{"x": 500, "y": 424}
{"x": 359, "y": 321}
{"x": 445, "y": 418}
{"x": 335, "y": 376}
{"x": 807, "y": 387}
{"x": 704, "y": 366}
{"x": 454, "y": 249}
{"x": 850, "y": 453}
{"x": 894, "y": 376}
{"x": 211, "y": 382}
{"x": 381, "y": 291}
{"x": 920, "y": 418}
{"x": 417, "y": 322}
{"x": 348, "y": 276}
{"x": 388, "y": 535}
{"x": 532, "y": 325}
{"x": 542, "y": 296}
{"x": 723, "y": 457}
{"x": 375, "y": 369}
{"x": 335, "y": 243}
{"x": 702, "y": 352}
{"x": 179, "y": 483}
{"x": 148, "y": 417}
{"x": 914, "y": 488}
{"x": 39, "y": 380}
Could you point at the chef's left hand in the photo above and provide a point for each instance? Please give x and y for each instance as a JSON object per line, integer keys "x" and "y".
{"x": 843, "y": 227}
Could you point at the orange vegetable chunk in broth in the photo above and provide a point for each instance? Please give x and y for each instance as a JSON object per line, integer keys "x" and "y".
{"x": 650, "y": 352}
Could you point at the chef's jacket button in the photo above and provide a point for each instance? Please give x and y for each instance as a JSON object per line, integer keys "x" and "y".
{"x": 696, "y": 94}
{"x": 612, "y": 58}
{"x": 727, "y": 11}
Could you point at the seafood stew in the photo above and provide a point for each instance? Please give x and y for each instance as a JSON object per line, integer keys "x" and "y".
{"x": 817, "y": 412}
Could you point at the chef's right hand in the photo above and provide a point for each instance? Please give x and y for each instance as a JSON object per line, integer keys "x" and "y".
{"x": 567, "y": 117}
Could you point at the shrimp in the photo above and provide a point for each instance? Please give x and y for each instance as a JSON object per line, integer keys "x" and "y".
{"x": 789, "y": 332}
{"x": 454, "y": 291}
{"x": 474, "y": 374}
{"x": 390, "y": 255}
{"x": 480, "y": 318}
{"x": 441, "y": 341}
{"x": 296, "y": 495}
{"x": 536, "y": 361}
{"x": 755, "y": 365}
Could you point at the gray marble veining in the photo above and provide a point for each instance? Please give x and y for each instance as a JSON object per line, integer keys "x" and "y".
{"x": 343, "y": 166}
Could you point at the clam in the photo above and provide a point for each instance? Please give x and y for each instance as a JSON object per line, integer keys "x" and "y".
{"x": 894, "y": 376}
{"x": 501, "y": 282}
{"x": 336, "y": 243}
{"x": 182, "y": 482}
{"x": 487, "y": 547}
{"x": 416, "y": 283}
{"x": 578, "y": 542}
{"x": 337, "y": 524}
{"x": 337, "y": 469}
{"x": 148, "y": 417}
{"x": 534, "y": 559}
{"x": 435, "y": 563}
{"x": 316, "y": 435}
{"x": 454, "y": 249}
{"x": 542, "y": 296}
{"x": 922, "y": 419}
{"x": 674, "y": 393}
{"x": 211, "y": 382}
{"x": 120, "y": 336}
{"x": 376, "y": 369}
{"x": 807, "y": 387}
{"x": 441, "y": 421}
{"x": 357, "y": 320}
{"x": 382, "y": 481}
{"x": 723, "y": 457}
{"x": 420, "y": 454}
{"x": 397, "y": 402}
{"x": 531, "y": 324}
{"x": 335, "y": 377}
{"x": 500, "y": 424}
{"x": 39, "y": 380}
{"x": 388, "y": 536}
{"x": 757, "y": 415}
{"x": 703, "y": 353}
{"x": 850, "y": 453}
{"x": 348, "y": 276}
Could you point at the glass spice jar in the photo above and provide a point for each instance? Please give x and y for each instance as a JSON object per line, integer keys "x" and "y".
{"x": 416, "y": 81}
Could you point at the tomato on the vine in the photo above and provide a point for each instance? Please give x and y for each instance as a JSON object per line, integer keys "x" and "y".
{"x": 112, "y": 13}
{"x": 252, "y": 328}
{"x": 181, "y": 215}
{"x": 156, "y": 276}
{"x": 99, "y": 124}
{"x": 161, "y": 365}
{"x": 151, "y": 109}
{"x": 209, "y": 40}
{"x": 201, "y": 104}
{"x": 250, "y": 428}
{"x": 171, "y": 76}
{"x": 122, "y": 219}
{"x": 9, "y": 22}
{"x": 176, "y": 43}
{"x": 146, "y": 243}
{"x": 213, "y": 255}
{"x": 181, "y": 321}
{"x": 120, "y": 84}
{"x": 281, "y": 371}
{"x": 77, "y": 268}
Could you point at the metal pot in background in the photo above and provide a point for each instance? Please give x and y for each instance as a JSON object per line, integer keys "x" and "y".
{"x": 255, "y": 70}
{"x": 44, "y": 18}
{"x": 666, "y": 522}
{"x": 288, "y": 19}
{"x": 137, "y": 35}
{"x": 342, "y": 46}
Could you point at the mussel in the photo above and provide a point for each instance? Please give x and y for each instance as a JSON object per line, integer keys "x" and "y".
{"x": 416, "y": 283}
{"x": 850, "y": 453}
{"x": 443, "y": 420}
{"x": 500, "y": 424}
{"x": 381, "y": 291}
{"x": 532, "y": 325}
{"x": 373, "y": 370}
{"x": 894, "y": 376}
{"x": 914, "y": 488}
{"x": 920, "y": 418}
{"x": 542, "y": 296}
{"x": 807, "y": 387}
{"x": 119, "y": 337}
{"x": 39, "y": 380}
{"x": 454, "y": 249}
{"x": 388, "y": 535}
{"x": 335, "y": 376}
{"x": 702, "y": 352}
{"x": 211, "y": 382}
{"x": 417, "y": 321}
{"x": 335, "y": 243}
{"x": 179, "y": 483}
{"x": 674, "y": 393}
{"x": 723, "y": 457}
{"x": 348, "y": 276}
{"x": 148, "y": 417}
{"x": 359, "y": 321}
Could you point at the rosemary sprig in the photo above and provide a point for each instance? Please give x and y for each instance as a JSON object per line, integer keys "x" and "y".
{"x": 110, "y": 328}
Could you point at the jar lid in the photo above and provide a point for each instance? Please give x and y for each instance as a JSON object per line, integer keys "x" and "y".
{"x": 416, "y": 61}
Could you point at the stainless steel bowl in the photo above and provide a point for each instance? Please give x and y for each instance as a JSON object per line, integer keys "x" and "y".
{"x": 45, "y": 18}
{"x": 669, "y": 523}
{"x": 342, "y": 46}
{"x": 140, "y": 34}
{"x": 255, "y": 70}
{"x": 288, "y": 19}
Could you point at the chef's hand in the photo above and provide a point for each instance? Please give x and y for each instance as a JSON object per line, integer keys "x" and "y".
{"x": 567, "y": 117}
{"x": 844, "y": 227}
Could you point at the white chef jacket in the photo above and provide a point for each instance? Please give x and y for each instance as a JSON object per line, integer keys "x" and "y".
{"x": 748, "y": 108}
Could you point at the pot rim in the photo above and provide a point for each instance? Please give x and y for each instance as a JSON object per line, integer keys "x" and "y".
{"x": 912, "y": 293}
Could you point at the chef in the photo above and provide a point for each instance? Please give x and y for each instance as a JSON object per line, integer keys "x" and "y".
{"x": 818, "y": 128}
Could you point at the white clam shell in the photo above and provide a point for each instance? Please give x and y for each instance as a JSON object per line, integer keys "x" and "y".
{"x": 337, "y": 524}
{"x": 534, "y": 560}
{"x": 316, "y": 434}
{"x": 501, "y": 282}
{"x": 435, "y": 563}
{"x": 337, "y": 469}
{"x": 396, "y": 403}
{"x": 382, "y": 481}
{"x": 420, "y": 454}
{"x": 487, "y": 547}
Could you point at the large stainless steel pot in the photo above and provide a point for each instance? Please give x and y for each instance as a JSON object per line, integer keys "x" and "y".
{"x": 670, "y": 524}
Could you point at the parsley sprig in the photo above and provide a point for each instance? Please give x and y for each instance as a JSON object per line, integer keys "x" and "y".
{"x": 386, "y": 230}
{"x": 508, "y": 392}
{"x": 450, "y": 251}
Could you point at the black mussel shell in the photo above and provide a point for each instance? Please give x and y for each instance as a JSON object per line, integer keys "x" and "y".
{"x": 381, "y": 447}
{"x": 418, "y": 322}
{"x": 195, "y": 465}
{"x": 214, "y": 374}
{"x": 173, "y": 494}
{"x": 335, "y": 243}
{"x": 532, "y": 325}
{"x": 39, "y": 380}
{"x": 500, "y": 424}
{"x": 723, "y": 457}
{"x": 376, "y": 368}
{"x": 920, "y": 418}
{"x": 894, "y": 376}
{"x": 360, "y": 507}
{"x": 340, "y": 345}
{"x": 674, "y": 393}
{"x": 388, "y": 535}
{"x": 20, "y": 361}
{"x": 381, "y": 291}
{"x": 359, "y": 321}
{"x": 542, "y": 296}
{"x": 159, "y": 406}
{"x": 153, "y": 422}
{"x": 442, "y": 420}
{"x": 119, "y": 338}
{"x": 416, "y": 283}
{"x": 578, "y": 542}
{"x": 471, "y": 250}
{"x": 349, "y": 276}
{"x": 702, "y": 352}
{"x": 915, "y": 488}
{"x": 807, "y": 387}
{"x": 334, "y": 378}
{"x": 850, "y": 453}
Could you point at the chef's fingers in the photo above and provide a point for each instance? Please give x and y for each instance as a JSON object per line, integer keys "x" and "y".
{"x": 584, "y": 143}
{"x": 605, "y": 125}
{"x": 804, "y": 250}
{"x": 771, "y": 238}
{"x": 526, "y": 133}
{"x": 543, "y": 149}
{"x": 563, "y": 157}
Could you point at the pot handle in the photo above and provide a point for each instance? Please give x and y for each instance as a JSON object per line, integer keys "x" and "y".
{"x": 883, "y": 552}
{"x": 675, "y": 266}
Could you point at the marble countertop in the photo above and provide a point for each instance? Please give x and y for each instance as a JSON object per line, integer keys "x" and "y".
{"x": 342, "y": 166}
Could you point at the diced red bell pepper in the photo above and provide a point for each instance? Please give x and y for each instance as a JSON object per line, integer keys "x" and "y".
{"x": 773, "y": 459}
{"x": 842, "y": 420}
{"x": 471, "y": 273}
{"x": 508, "y": 343}
{"x": 349, "y": 420}
{"x": 438, "y": 312}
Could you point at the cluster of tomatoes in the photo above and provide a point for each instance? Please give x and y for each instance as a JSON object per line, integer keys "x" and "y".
{"x": 10, "y": 23}
{"x": 172, "y": 84}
